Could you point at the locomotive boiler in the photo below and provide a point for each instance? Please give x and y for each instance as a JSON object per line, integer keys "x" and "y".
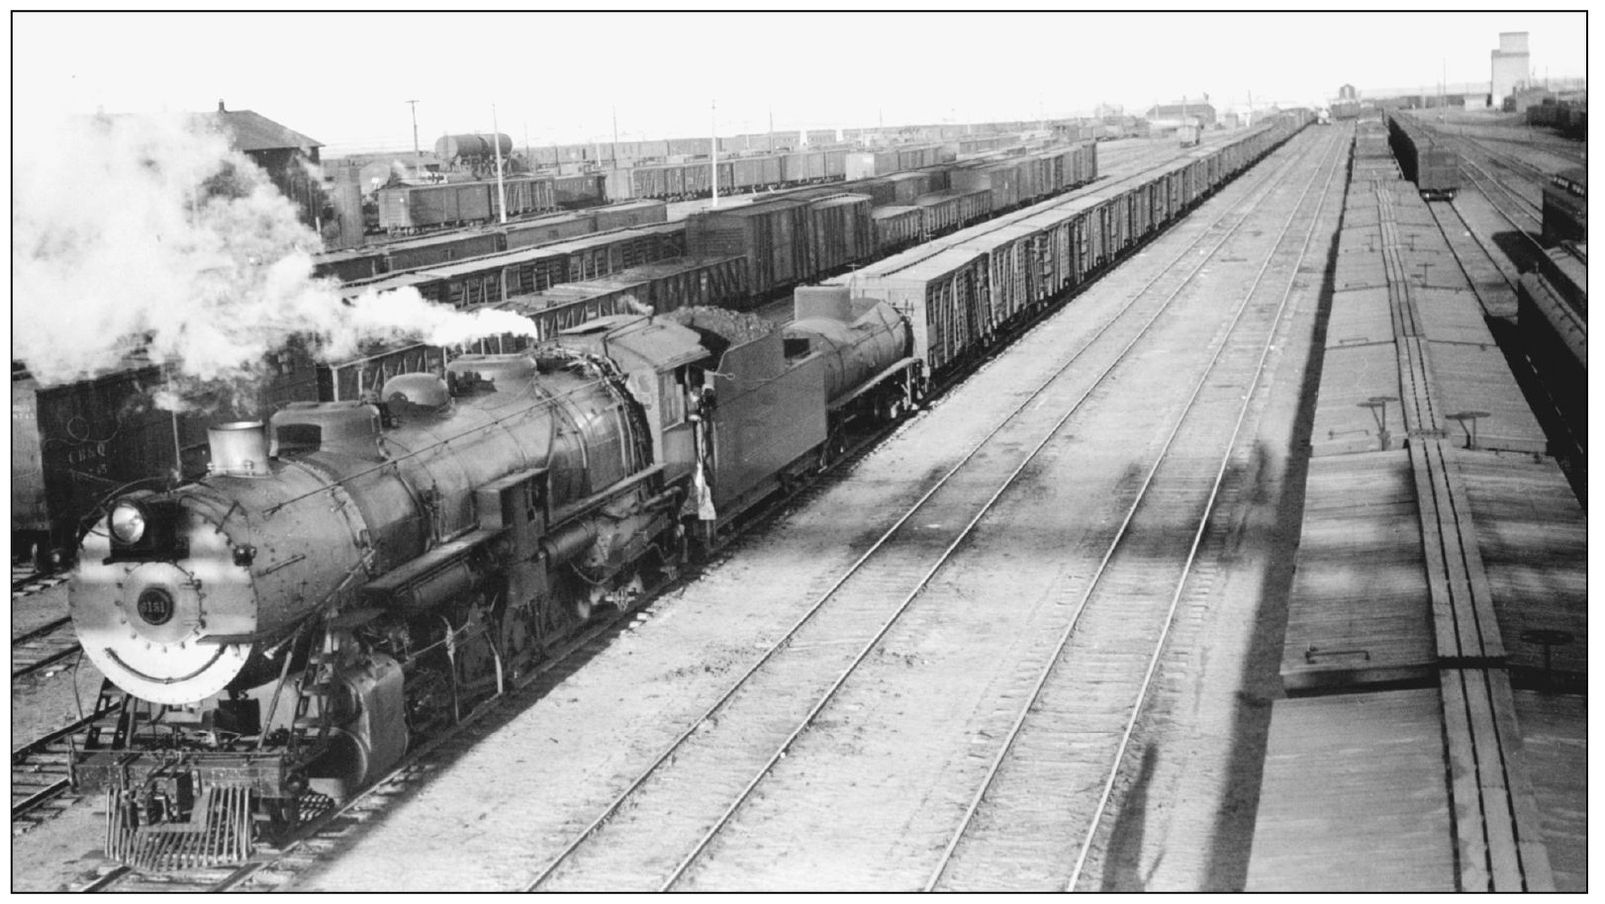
{"x": 359, "y": 574}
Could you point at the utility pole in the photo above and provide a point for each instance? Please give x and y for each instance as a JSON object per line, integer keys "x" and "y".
{"x": 713, "y": 125}
{"x": 615, "y": 155}
{"x": 415, "y": 155}
{"x": 771, "y": 130}
{"x": 496, "y": 142}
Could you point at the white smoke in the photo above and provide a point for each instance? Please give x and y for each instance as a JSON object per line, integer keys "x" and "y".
{"x": 150, "y": 230}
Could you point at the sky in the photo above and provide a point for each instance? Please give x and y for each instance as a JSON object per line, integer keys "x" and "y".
{"x": 344, "y": 78}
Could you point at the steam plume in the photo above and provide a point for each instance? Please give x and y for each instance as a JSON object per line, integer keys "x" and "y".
{"x": 150, "y": 231}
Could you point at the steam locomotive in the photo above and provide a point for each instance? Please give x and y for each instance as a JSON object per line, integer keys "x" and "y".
{"x": 362, "y": 572}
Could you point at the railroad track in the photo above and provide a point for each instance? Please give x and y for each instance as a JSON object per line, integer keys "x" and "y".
{"x": 699, "y": 783}
{"x": 42, "y": 647}
{"x": 28, "y": 580}
{"x": 41, "y": 775}
{"x": 325, "y": 824}
{"x": 1071, "y": 702}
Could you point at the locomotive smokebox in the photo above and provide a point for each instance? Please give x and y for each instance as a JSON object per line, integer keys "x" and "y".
{"x": 239, "y": 449}
{"x": 833, "y": 302}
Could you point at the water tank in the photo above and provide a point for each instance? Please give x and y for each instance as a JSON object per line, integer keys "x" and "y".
{"x": 449, "y": 147}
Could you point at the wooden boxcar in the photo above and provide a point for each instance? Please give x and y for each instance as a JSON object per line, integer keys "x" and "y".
{"x": 771, "y": 235}
{"x": 897, "y": 228}
{"x": 409, "y": 208}
{"x": 946, "y": 211}
{"x": 841, "y": 232}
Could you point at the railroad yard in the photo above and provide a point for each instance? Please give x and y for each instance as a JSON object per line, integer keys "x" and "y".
{"x": 1094, "y": 512}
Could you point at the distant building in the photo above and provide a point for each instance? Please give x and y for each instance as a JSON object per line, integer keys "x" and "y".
{"x": 1511, "y": 65}
{"x": 284, "y": 153}
{"x": 1202, "y": 112}
{"x": 1347, "y": 92}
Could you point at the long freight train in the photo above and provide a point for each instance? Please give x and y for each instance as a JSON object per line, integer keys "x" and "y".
{"x": 359, "y": 574}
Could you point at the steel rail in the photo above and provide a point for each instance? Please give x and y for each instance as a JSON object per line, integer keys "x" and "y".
{"x": 1198, "y": 536}
{"x": 670, "y": 749}
{"x": 1053, "y": 658}
{"x": 941, "y": 562}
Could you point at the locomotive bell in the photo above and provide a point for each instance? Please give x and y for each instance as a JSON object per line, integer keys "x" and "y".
{"x": 239, "y": 449}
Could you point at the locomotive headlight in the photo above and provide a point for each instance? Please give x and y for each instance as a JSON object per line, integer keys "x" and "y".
{"x": 127, "y": 522}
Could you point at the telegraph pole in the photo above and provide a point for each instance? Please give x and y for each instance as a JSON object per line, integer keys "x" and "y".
{"x": 713, "y": 125}
{"x": 415, "y": 154}
{"x": 496, "y": 142}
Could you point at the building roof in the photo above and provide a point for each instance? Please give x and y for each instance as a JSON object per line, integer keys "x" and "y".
{"x": 251, "y": 131}
{"x": 1176, "y": 111}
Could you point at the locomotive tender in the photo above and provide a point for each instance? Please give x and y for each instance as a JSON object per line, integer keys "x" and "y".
{"x": 362, "y": 572}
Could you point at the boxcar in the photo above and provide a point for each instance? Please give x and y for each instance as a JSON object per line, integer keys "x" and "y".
{"x": 908, "y": 186}
{"x": 630, "y": 213}
{"x": 426, "y": 252}
{"x": 580, "y": 190}
{"x": 408, "y": 208}
{"x": 771, "y": 235}
{"x": 946, "y": 211}
{"x": 1432, "y": 166}
{"x": 841, "y": 232}
{"x": 897, "y": 228}
{"x": 662, "y": 286}
{"x": 941, "y": 294}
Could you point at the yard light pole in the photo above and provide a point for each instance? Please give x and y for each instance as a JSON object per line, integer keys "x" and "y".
{"x": 415, "y": 154}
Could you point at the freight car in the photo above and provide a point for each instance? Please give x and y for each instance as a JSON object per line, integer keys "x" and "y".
{"x": 374, "y": 571}
{"x": 737, "y": 175}
{"x": 785, "y": 242}
{"x": 392, "y": 257}
{"x": 1566, "y": 206}
{"x": 1432, "y": 165}
{"x": 412, "y": 209}
{"x": 1551, "y": 316}
{"x": 656, "y": 288}
{"x": 964, "y": 292}
{"x": 521, "y": 271}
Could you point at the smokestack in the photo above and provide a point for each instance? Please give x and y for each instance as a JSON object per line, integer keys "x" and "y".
{"x": 220, "y": 108}
{"x": 239, "y": 449}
